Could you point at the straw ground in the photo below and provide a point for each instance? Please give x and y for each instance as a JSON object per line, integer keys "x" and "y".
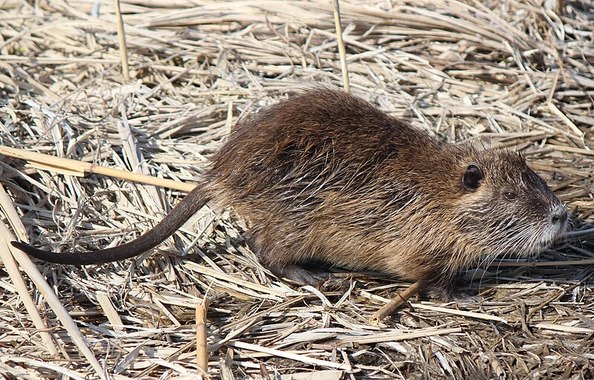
{"x": 515, "y": 74}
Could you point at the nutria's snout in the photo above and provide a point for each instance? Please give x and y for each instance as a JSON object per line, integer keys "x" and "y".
{"x": 559, "y": 217}
{"x": 555, "y": 225}
{"x": 558, "y": 221}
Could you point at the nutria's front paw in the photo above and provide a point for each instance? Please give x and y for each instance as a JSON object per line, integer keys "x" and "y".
{"x": 451, "y": 292}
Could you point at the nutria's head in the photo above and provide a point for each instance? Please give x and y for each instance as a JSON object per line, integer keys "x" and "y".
{"x": 505, "y": 207}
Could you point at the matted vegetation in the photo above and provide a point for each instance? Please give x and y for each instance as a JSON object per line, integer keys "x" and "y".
{"x": 506, "y": 73}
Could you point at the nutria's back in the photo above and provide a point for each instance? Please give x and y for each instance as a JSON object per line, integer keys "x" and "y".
{"x": 327, "y": 176}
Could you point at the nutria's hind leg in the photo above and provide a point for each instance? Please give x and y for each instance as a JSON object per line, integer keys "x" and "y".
{"x": 284, "y": 268}
{"x": 299, "y": 274}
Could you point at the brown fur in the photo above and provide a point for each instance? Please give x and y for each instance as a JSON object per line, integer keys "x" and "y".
{"x": 325, "y": 176}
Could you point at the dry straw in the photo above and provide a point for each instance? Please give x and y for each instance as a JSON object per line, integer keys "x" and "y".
{"x": 510, "y": 74}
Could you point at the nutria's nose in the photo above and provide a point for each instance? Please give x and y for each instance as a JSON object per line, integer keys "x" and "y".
{"x": 559, "y": 215}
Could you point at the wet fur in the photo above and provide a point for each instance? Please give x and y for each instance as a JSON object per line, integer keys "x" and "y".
{"x": 326, "y": 176}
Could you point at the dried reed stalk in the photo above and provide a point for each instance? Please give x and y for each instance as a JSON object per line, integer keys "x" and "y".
{"x": 395, "y": 302}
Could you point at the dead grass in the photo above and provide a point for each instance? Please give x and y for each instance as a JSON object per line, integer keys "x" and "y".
{"x": 512, "y": 73}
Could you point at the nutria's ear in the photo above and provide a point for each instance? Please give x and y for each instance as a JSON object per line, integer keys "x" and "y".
{"x": 472, "y": 178}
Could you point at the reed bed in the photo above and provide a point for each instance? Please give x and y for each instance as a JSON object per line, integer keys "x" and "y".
{"x": 517, "y": 74}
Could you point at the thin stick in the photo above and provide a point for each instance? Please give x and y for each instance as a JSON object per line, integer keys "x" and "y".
{"x": 395, "y": 302}
{"x": 395, "y": 336}
{"x": 579, "y": 233}
{"x": 201, "y": 333}
{"x": 79, "y": 168}
{"x": 537, "y": 264}
{"x": 566, "y": 329}
{"x": 341, "y": 49}
{"x": 553, "y": 108}
{"x": 290, "y": 355}
{"x": 122, "y": 36}
{"x": 468, "y": 314}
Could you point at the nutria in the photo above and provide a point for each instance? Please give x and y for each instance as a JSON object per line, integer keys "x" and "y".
{"x": 327, "y": 177}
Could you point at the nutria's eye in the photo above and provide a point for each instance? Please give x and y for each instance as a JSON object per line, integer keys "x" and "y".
{"x": 472, "y": 178}
{"x": 509, "y": 195}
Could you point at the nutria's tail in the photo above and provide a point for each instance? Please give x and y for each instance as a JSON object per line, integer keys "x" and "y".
{"x": 188, "y": 206}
